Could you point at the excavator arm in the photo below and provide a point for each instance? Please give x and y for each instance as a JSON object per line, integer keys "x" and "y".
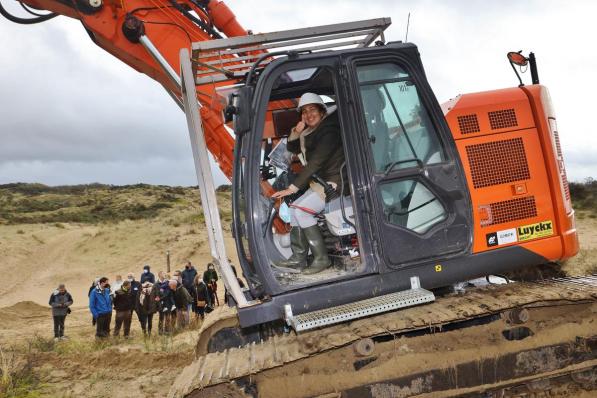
{"x": 125, "y": 29}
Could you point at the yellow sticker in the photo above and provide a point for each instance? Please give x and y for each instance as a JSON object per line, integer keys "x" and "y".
{"x": 535, "y": 231}
{"x": 438, "y": 268}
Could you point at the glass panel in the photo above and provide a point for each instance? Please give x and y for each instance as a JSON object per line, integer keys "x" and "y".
{"x": 400, "y": 131}
{"x": 409, "y": 204}
{"x": 370, "y": 73}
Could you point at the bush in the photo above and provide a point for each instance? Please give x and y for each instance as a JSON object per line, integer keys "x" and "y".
{"x": 584, "y": 196}
{"x": 224, "y": 188}
{"x": 91, "y": 203}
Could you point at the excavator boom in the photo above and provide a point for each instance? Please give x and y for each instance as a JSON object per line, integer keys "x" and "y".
{"x": 168, "y": 26}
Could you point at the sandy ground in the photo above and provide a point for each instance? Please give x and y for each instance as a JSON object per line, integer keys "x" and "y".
{"x": 586, "y": 260}
{"x": 35, "y": 258}
{"x": 82, "y": 367}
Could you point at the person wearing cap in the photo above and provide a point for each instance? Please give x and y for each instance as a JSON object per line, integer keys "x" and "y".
{"x": 147, "y": 275}
{"x": 60, "y": 301}
{"x": 317, "y": 139}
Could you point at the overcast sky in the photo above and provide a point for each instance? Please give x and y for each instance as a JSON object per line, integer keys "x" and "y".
{"x": 71, "y": 113}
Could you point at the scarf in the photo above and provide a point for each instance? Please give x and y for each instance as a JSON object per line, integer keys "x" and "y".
{"x": 145, "y": 291}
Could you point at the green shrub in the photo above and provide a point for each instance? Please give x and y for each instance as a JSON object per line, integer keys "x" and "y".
{"x": 224, "y": 188}
{"x": 94, "y": 203}
{"x": 584, "y": 196}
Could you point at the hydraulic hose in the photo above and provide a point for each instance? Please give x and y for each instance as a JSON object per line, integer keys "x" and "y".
{"x": 25, "y": 21}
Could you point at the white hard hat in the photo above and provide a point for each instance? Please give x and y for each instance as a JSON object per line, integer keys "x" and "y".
{"x": 309, "y": 98}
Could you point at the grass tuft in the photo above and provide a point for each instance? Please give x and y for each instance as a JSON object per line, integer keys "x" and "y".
{"x": 17, "y": 378}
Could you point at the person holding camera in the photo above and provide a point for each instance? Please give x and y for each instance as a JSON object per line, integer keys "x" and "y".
{"x": 60, "y": 301}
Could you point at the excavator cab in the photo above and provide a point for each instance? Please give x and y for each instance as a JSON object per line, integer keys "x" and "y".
{"x": 407, "y": 204}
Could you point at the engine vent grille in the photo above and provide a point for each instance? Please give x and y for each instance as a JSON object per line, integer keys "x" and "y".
{"x": 498, "y": 162}
{"x": 510, "y": 210}
{"x": 561, "y": 167}
{"x": 502, "y": 119}
{"x": 468, "y": 124}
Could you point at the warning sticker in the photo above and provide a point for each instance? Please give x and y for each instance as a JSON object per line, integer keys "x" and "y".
{"x": 535, "y": 231}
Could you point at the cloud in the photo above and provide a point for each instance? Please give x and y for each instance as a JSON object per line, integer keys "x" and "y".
{"x": 71, "y": 112}
{"x": 149, "y": 171}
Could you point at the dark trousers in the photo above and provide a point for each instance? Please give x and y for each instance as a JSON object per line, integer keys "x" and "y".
{"x": 59, "y": 325}
{"x": 123, "y": 317}
{"x": 102, "y": 324}
{"x": 167, "y": 322}
{"x": 161, "y": 322}
{"x": 146, "y": 320}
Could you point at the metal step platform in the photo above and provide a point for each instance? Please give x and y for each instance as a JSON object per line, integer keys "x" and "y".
{"x": 389, "y": 302}
{"x": 231, "y": 58}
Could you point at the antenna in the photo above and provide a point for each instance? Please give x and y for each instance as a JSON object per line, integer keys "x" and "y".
{"x": 407, "y": 25}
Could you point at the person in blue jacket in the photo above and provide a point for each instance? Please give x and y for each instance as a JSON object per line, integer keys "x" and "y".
{"x": 100, "y": 305}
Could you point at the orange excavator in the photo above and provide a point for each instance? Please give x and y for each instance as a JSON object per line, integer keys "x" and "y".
{"x": 437, "y": 195}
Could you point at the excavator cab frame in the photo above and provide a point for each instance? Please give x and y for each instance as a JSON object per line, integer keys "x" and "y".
{"x": 391, "y": 251}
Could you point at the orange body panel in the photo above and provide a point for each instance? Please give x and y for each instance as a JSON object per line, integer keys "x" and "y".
{"x": 511, "y": 163}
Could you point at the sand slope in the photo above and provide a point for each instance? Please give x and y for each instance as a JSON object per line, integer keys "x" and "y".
{"x": 36, "y": 257}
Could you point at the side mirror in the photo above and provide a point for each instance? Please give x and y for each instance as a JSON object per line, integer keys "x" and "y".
{"x": 517, "y": 58}
{"x": 242, "y": 110}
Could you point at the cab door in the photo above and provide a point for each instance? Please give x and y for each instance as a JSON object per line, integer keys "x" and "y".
{"x": 415, "y": 184}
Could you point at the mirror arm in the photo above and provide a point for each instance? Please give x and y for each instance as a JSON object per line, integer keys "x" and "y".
{"x": 517, "y": 75}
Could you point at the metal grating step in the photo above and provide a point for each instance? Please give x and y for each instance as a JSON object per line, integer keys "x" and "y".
{"x": 376, "y": 305}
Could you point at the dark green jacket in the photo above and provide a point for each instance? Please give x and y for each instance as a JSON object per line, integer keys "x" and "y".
{"x": 324, "y": 153}
{"x": 209, "y": 275}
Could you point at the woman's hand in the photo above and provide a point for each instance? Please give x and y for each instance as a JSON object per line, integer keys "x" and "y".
{"x": 282, "y": 193}
{"x": 300, "y": 126}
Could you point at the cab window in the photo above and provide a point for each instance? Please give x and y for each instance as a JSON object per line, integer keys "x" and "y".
{"x": 400, "y": 132}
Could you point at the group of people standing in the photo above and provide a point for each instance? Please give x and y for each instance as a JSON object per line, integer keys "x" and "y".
{"x": 173, "y": 298}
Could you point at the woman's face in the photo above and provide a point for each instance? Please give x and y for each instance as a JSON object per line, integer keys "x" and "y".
{"x": 311, "y": 115}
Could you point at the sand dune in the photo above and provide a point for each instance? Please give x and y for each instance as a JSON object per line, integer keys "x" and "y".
{"x": 35, "y": 258}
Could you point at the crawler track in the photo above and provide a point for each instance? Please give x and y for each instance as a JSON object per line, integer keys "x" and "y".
{"x": 429, "y": 349}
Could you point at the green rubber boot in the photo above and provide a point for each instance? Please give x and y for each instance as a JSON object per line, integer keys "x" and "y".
{"x": 321, "y": 260}
{"x": 300, "y": 249}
